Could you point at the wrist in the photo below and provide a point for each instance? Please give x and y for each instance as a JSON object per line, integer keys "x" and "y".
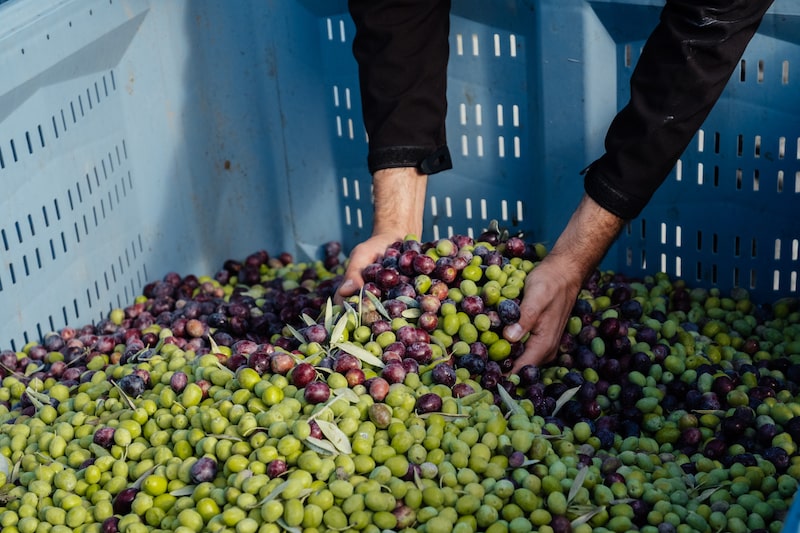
{"x": 399, "y": 201}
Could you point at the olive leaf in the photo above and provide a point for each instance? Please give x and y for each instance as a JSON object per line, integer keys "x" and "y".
{"x": 586, "y": 513}
{"x": 38, "y": 399}
{"x": 513, "y": 406}
{"x": 336, "y": 436}
{"x": 475, "y": 397}
{"x": 409, "y": 301}
{"x": 564, "y": 398}
{"x": 213, "y": 343}
{"x": 321, "y": 446}
{"x": 296, "y": 334}
{"x": 378, "y": 305}
{"x": 225, "y": 368}
{"x": 411, "y": 313}
{"x": 346, "y": 393}
{"x": 274, "y": 494}
{"x": 138, "y": 483}
{"x": 577, "y": 483}
{"x": 188, "y": 490}
{"x": 124, "y": 396}
{"x": 338, "y": 330}
{"x": 222, "y": 436}
{"x": 287, "y": 527}
{"x": 98, "y": 450}
{"x": 449, "y": 417}
{"x": 328, "y": 320}
{"x": 308, "y": 320}
{"x": 363, "y": 354}
{"x": 15, "y": 471}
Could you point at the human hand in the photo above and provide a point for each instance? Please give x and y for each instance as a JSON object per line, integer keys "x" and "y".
{"x": 399, "y": 203}
{"x": 552, "y": 287}
{"x": 547, "y": 301}
{"x": 362, "y": 255}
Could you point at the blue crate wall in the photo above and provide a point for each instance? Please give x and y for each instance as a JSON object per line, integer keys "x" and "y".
{"x": 494, "y": 127}
{"x": 727, "y": 214}
{"x": 138, "y": 138}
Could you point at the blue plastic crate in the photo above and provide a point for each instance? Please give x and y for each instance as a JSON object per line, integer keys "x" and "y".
{"x": 139, "y": 137}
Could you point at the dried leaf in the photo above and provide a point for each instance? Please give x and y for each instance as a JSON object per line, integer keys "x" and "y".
{"x": 363, "y": 354}
{"x": 321, "y": 446}
{"x": 378, "y": 305}
{"x": 564, "y": 398}
{"x": 336, "y": 436}
{"x": 188, "y": 490}
{"x": 577, "y": 483}
{"x": 513, "y": 406}
{"x": 213, "y": 343}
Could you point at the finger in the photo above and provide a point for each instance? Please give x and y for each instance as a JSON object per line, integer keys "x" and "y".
{"x": 536, "y": 353}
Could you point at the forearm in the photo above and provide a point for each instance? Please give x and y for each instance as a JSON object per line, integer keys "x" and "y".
{"x": 683, "y": 69}
{"x": 402, "y": 51}
{"x": 584, "y": 242}
{"x": 399, "y": 201}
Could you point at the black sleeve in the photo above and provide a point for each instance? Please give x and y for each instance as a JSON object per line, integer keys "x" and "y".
{"x": 684, "y": 67}
{"x": 402, "y": 50}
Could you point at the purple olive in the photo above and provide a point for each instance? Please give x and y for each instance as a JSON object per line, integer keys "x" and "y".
{"x": 428, "y": 403}
{"x": 203, "y": 470}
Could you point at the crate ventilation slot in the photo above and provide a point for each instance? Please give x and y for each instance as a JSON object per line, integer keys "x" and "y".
{"x": 59, "y": 123}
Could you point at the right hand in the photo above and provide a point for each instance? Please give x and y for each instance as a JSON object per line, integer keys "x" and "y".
{"x": 362, "y": 255}
{"x": 399, "y": 203}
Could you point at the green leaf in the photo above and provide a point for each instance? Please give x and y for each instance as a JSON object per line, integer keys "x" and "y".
{"x": 410, "y": 302}
{"x": 308, "y": 320}
{"x": 296, "y": 334}
{"x": 564, "y": 398}
{"x": 125, "y": 396}
{"x": 449, "y": 417}
{"x": 512, "y": 404}
{"x": 338, "y": 330}
{"x": 585, "y": 517}
{"x": 188, "y": 490}
{"x": 138, "y": 483}
{"x": 346, "y": 393}
{"x": 321, "y": 446}
{"x": 363, "y": 354}
{"x": 577, "y": 483}
{"x": 336, "y": 436}
{"x": 274, "y": 494}
{"x": 328, "y": 321}
{"x": 378, "y": 305}
{"x": 287, "y": 527}
{"x": 411, "y": 313}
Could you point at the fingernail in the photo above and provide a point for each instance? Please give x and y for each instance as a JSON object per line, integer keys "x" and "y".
{"x": 514, "y": 332}
{"x": 347, "y": 287}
